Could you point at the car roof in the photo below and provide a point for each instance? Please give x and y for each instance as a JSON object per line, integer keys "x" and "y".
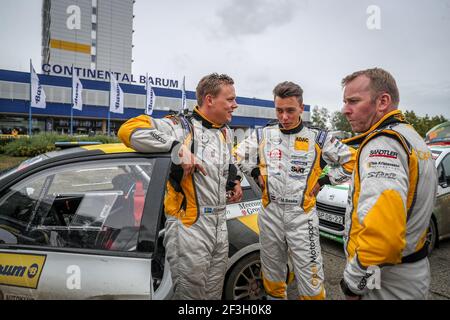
{"x": 113, "y": 150}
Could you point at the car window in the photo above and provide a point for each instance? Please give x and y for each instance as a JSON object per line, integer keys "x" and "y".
{"x": 90, "y": 205}
{"x": 446, "y": 166}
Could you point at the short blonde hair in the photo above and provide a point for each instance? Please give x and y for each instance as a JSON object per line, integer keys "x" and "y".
{"x": 211, "y": 84}
{"x": 381, "y": 82}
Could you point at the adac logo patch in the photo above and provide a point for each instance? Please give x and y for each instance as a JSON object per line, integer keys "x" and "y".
{"x": 21, "y": 270}
{"x": 301, "y": 144}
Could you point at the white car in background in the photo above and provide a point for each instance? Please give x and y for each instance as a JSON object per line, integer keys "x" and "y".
{"x": 332, "y": 201}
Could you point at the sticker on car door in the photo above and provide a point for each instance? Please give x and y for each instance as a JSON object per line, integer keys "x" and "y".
{"x": 21, "y": 270}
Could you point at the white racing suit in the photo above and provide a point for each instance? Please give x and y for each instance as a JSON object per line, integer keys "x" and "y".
{"x": 389, "y": 211}
{"x": 289, "y": 163}
{"x": 196, "y": 238}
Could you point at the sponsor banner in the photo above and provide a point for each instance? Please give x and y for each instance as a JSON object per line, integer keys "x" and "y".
{"x": 184, "y": 107}
{"x": 116, "y": 97}
{"x": 77, "y": 89}
{"x": 150, "y": 98}
{"x": 243, "y": 209}
{"x": 21, "y": 270}
{"x": 37, "y": 98}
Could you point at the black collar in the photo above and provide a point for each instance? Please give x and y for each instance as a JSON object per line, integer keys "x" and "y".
{"x": 295, "y": 130}
{"x": 205, "y": 122}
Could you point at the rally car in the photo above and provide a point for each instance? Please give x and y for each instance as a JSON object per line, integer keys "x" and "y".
{"x": 332, "y": 201}
{"x": 88, "y": 223}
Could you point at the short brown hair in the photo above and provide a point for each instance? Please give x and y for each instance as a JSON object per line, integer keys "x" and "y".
{"x": 288, "y": 89}
{"x": 211, "y": 84}
{"x": 381, "y": 82}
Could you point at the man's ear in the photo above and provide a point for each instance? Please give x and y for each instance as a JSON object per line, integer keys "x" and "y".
{"x": 208, "y": 99}
{"x": 302, "y": 107}
{"x": 384, "y": 102}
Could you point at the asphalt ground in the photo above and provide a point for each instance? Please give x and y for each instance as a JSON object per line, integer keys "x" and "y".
{"x": 334, "y": 263}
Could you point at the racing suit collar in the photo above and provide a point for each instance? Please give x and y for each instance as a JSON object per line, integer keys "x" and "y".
{"x": 198, "y": 115}
{"x": 392, "y": 117}
{"x": 294, "y": 130}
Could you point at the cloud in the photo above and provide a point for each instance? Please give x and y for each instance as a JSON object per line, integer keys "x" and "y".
{"x": 253, "y": 17}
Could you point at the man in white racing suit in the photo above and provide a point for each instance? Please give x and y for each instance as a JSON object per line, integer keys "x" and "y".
{"x": 392, "y": 195}
{"x": 196, "y": 237}
{"x": 286, "y": 157}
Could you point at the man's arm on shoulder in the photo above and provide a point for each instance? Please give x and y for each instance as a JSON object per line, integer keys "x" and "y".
{"x": 145, "y": 134}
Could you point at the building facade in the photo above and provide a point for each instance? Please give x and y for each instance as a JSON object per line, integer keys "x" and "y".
{"x": 89, "y": 34}
{"x": 15, "y": 104}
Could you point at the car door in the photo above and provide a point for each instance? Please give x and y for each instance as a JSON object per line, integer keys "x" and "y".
{"x": 442, "y": 207}
{"x": 82, "y": 230}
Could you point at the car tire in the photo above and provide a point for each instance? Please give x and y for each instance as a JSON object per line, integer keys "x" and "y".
{"x": 244, "y": 281}
{"x": 432, "y": 236}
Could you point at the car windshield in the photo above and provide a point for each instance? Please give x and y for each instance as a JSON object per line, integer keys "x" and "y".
{"x": 440, "y": 134}
{"x": 22, "y": 165}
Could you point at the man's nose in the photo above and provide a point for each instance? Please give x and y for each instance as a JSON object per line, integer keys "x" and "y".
{"x": 346, "y": 109}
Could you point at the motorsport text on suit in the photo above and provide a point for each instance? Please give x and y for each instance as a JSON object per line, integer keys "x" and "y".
{"x": 289, "y": 162}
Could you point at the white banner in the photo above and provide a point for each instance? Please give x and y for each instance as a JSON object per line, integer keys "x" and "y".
{"x": 150, "y": 100}
{"x": 115, "y": 97}
{"x": 184, "y": 107}
{"x": 37, "y": 98}
{"x": 77, "y": 89}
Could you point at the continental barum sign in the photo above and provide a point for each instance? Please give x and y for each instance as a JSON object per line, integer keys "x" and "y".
{"x": 106, "y": 75}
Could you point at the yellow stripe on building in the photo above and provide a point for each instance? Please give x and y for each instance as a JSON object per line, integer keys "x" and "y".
{"x": 70, "y": 46}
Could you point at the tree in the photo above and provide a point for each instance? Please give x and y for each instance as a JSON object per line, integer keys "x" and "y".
{"x": 320, "y": 117}
{"x": 423, "y": 124}
{"x": 339, "y": 122}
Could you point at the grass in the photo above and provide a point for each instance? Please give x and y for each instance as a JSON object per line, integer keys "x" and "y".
{"x": 7, "y": 162}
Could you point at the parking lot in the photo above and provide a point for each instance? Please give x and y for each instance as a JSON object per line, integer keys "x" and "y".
{"x": 334, "y": 263}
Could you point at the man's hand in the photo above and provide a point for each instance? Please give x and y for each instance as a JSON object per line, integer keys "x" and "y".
{"x": 189, "y": 162}
{"x": 260, "y": 181}
{"x": 315, "y": 190}
{"x": 236, "y": 193}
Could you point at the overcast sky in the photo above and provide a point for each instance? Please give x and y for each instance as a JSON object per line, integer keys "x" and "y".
{"x": 263, "y": 42}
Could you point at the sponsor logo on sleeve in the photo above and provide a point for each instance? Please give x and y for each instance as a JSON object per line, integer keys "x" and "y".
{"x": 382, "y": 175}
{"x": 157, "y": 137}
{"x": 382, "y": 164}
{"x": 380, "y": 153}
